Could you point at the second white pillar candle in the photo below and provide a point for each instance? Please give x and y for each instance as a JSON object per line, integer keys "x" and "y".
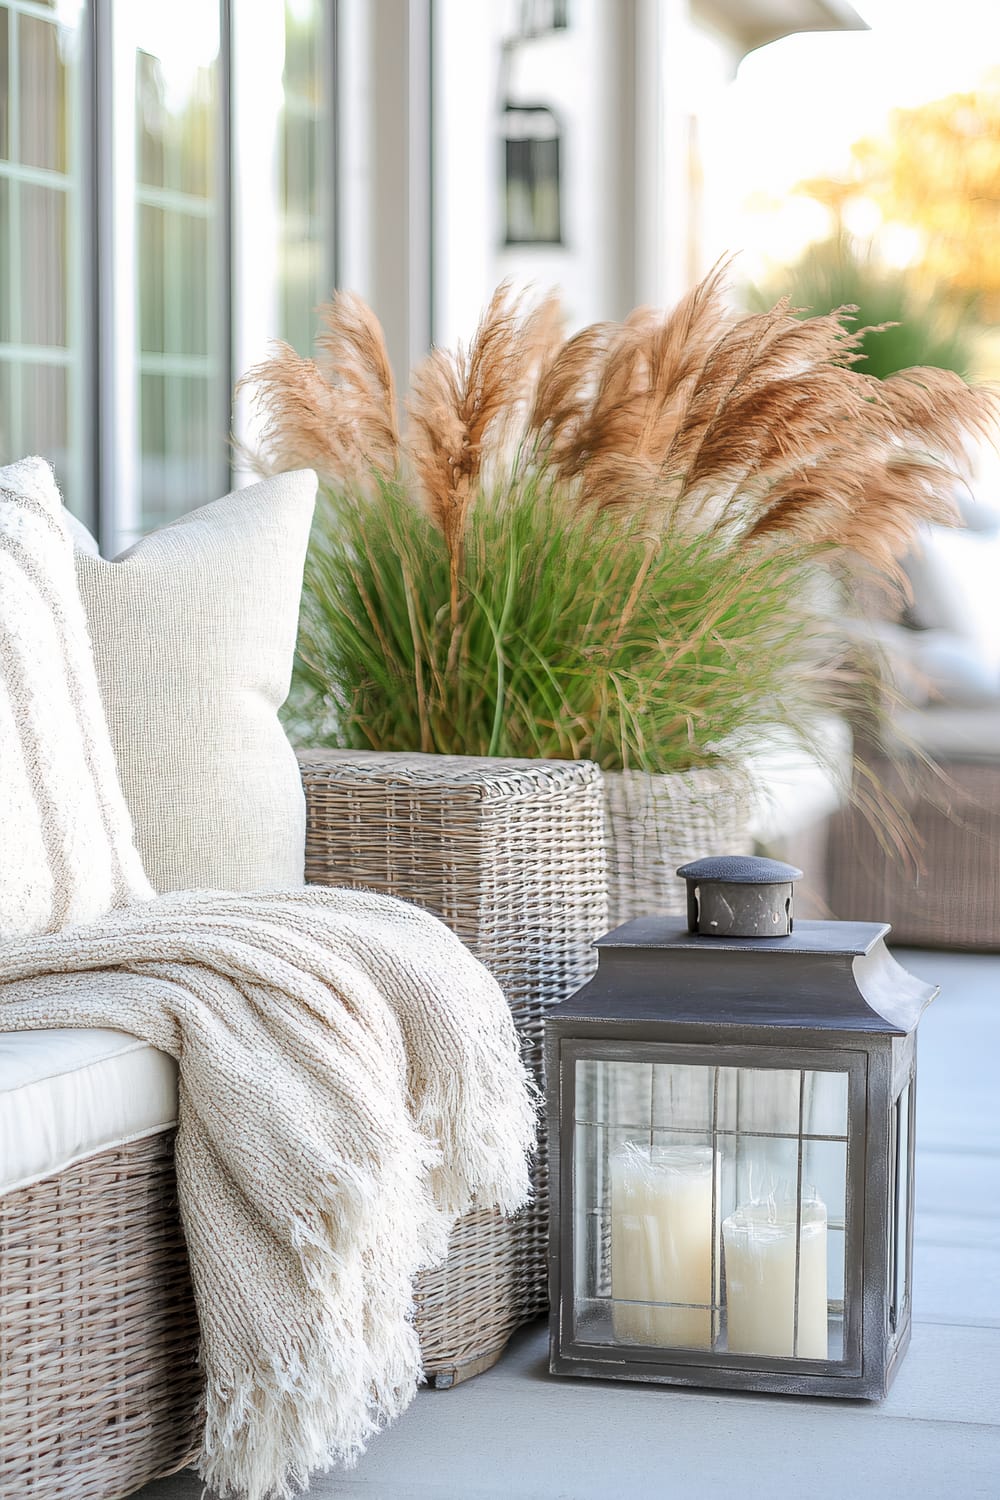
{"x": 759, "y": 1240}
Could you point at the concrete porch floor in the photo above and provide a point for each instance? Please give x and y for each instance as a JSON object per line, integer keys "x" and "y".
{"x": 516, "y": 1433}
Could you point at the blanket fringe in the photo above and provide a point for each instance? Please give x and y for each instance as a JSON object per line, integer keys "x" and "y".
{"x": 350, "y": 1083}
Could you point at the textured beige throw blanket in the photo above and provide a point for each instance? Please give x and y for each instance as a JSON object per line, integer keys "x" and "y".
{"x": 350, "y": 1080}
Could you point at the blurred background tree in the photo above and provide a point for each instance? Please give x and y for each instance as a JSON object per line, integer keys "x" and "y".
{"x": 927, "y": 193}
{"x": 906, "y": 323}
{"x": 938, "y": 174}
{"x": 934, "y": 177}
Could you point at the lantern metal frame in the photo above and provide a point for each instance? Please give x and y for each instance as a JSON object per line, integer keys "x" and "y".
{"x": 828, "y": 997}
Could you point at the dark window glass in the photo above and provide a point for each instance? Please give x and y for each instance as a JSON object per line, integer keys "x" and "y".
{"x": 539, "y": 16}
{"x": 534, "y": 208}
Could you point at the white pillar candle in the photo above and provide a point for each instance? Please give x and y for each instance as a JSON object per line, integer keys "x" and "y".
{"x": 661, "y": 1244}
{"x": 759, "y": 1241}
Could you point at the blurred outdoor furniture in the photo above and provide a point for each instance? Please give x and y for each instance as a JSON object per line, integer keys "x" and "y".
{"x": 943, "y": 655}
{"x": 954, "y": 902}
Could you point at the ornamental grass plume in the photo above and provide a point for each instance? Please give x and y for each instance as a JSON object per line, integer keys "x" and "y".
{"x": 619, "y": 545}
{"x": 458, "y": 402}
{"x": 335, "y": 413}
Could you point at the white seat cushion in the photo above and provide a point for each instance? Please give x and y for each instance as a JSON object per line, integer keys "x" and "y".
{"x": 67, "y": 1094}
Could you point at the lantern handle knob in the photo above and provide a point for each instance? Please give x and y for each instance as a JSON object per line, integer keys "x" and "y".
{"x": 739, "y": 895}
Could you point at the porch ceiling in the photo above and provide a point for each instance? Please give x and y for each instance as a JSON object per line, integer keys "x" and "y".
{"x": 754, "y": 23}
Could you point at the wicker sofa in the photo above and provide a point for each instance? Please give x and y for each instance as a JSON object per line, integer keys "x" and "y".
{"x": 949, "y": 897}
{"x": 943, "y": 652}
{"x": 98, "y": 1332}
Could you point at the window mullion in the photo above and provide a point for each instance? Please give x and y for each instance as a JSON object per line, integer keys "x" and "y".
{"x": 226, "y": 244}
{"x": 328, "y": 163}
{"x": 171, "y": 405}
{"x": 84, "y": 255}
{"x": 117, "y": 312}
{"x": 16, "y": 375}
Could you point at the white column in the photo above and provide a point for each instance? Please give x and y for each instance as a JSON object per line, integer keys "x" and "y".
{"x": 467, "y": 164}
{"x": 119, "y": 419}
{"x": 384, "y": 133}
{"x": 258, "y": 61}
{"x": 662, "y": 185}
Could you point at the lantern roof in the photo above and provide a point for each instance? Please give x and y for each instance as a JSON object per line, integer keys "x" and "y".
{"x": 806, "y": 937}
{"x": 740, "y": 869}
{"x": 836, "y": 976}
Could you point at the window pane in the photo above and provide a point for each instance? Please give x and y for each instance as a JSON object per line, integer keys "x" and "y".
{"x": 43, "y": 90}
{"x": 9, "y": 384}
{"x": 44, "y": 265}
{"x": 190, "y": 282}
{"x": 204, "y": 440}
{"x": 533, "y": 183}
{"x": 151, "y": 297}
{"x": 177, "y": 276}
{"x": 177, "y": 95}
{"x": 35, "y": 397}
{"x": 182, "y": 292}
{"x": 41, "y": 251}
{"x": 5, "y": 25}
{"x": 304, "y": 143}
{"x": 645, "y": 1218}
{"x": 149, "y": 121}
{"x": 46, "y": 424}
{"x": 5, "y": 261}
{"x": 183, "y": 446}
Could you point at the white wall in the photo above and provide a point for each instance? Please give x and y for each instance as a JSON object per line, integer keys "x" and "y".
{"x": 636, "y": 84}
{"x": 576, "y": 72}
{"x": 384, "y": 166}
{"x": 466, "y": 171}
{"x": 258, "y": 60}
{"x": 584, "y": 75}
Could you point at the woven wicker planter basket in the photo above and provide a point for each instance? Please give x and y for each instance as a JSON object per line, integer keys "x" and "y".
{"x": 511, "y": 855}
{"x": 98, "y": 1333}
{"x": 655, "y": 823}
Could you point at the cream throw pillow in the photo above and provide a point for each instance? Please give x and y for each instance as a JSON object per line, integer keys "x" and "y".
{"x": 66, "y": 850}
{"x": 194, "y": 631}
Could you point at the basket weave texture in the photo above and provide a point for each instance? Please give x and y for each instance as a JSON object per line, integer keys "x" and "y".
{"x": 657, "y": 822}
{"x": 510, "y": 854}
{"x": 98, "y": 1332}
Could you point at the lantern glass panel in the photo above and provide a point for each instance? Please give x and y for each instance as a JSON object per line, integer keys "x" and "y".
{"x": 824, "y": 1175}
{"x": 899, "y": 1258}
{"x": 710, "y": 1207}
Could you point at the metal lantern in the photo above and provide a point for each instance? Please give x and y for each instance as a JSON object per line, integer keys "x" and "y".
{"x": 731, "y": 1109}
